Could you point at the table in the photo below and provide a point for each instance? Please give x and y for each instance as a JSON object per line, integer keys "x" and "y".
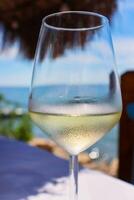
{"x": 28, "y": 173}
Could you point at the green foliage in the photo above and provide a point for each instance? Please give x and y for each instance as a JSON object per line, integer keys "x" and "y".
{"x": 2, "y": 98}
{"x": 13, "y": 125}
{"x": 19, "y": 128}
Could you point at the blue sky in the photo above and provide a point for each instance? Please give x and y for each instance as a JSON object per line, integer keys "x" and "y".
{"x": 17, "y": 71}
{"x": 14, "y": 69}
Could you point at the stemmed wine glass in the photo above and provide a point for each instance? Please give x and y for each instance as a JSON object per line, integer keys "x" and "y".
{"x": 75, "y": 94}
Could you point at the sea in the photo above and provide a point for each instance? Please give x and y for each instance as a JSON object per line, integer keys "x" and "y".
{"x": 106, "y": 148}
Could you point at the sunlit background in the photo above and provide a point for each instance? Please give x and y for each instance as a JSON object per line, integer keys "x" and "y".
{"x": 20, "y": 22}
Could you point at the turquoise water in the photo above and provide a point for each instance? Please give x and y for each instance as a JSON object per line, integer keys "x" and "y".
{"x": 107, "y": 146}
{"x": 16, "y": 94}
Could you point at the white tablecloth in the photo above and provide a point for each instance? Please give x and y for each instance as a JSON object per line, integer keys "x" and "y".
{"x": 27, "y": 173}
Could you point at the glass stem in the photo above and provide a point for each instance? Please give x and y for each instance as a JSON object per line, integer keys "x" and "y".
{"x": 73, "y": 177}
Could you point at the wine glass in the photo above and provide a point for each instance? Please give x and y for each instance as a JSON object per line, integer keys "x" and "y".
{"x": 75, "y": 94}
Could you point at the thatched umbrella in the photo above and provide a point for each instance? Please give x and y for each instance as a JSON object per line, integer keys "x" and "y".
{"x": 21, "y": 19}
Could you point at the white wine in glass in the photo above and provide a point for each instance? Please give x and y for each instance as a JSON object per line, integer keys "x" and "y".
{"x": 75, "y": 133}
{"x": 75, "y": 93}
